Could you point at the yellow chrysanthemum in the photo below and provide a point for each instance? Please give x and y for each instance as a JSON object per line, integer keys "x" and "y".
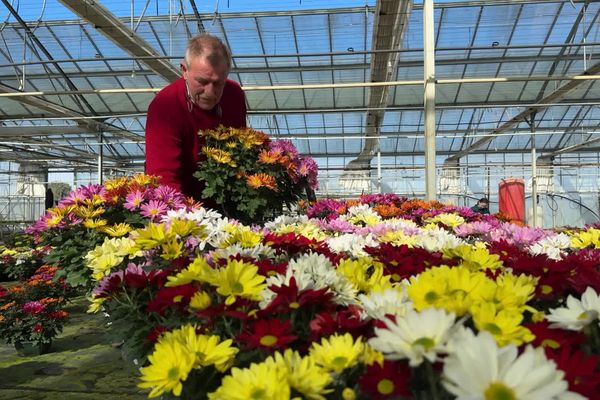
{"x": 95, "y": 223}
{"x": 186, "y": 227}
{"x": 220, "y": 156}
{"x": 102, "y": 265}
{"x": 373, "y": 356}
{"x": 260, "y": 381}
{"x": 96, "y": 304}
{"x": 307, "y": 229}
{"x": 151, "y": 236}
{"x": 588, "y": 238}
{"x": 171, "y": 249}
{"x": 398, "y": 238}
{"x": 88, "y": 212}
{"x": 338, "y": 352}
{"x": 242, "y": 235}
{"x": 238, "y": 279}
{"x": 367, "y": 219}
{"x": 365, "y": 274}
{"x": 200, "y": 300}
{"x": 304, "y": 375}
{"x": 145, "y": 180}
{"x": 220, "y": 133}
{"x": 513, "y": 292}
{"x": 54, "y": 220}
{"x": 251, "y": 138}
{"x": 504, "y": 325}
{"x": 454, "y": 289}
{"x": 117, "y": 230}
{"x": 115, "y": 183}
{"x": 429, "y": 288}
{"x": 207, "y": 349}
{"x": 476, "y": 257}
{"x": 465, "y": 288}
{"x": 448, "y": 219}
{"x": 170, "y": 363}
{"x": 199, "y": 270}
{"x": 108, "y": 255}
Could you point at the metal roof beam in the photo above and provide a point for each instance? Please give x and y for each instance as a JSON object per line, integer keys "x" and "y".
{"x": 389, "y": 26}
{"x": 116, "y": 30}
{"x": 553, "y": 97}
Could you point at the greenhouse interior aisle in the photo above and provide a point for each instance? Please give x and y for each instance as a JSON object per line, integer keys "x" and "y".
{"x": 316, "y": 199}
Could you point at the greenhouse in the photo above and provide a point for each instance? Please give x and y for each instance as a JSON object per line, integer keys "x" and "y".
{"x": 373, "y": 193}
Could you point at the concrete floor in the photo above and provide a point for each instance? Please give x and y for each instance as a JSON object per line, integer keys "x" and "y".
{"x": 82, "y": 365}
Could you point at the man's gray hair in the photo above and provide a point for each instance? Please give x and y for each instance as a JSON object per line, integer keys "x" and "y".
{"x": 209, "y": 46}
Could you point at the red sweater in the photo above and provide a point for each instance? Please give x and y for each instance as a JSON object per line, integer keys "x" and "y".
{"x": 172, "y": 141}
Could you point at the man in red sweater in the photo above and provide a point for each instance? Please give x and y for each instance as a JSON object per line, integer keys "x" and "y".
{"x": 201, "y": 99}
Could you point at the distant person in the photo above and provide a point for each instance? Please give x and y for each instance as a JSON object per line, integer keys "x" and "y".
{"x": 203, "y": 98}
{"x": 49, "y": 198}
{"x": 482, "y": 206}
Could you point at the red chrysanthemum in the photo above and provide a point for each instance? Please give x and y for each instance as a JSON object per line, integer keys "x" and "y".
{"x": 402, "y": 262}
{"x": 553, "y": 339}
{"x": 289, "y": 298}
{"x": 270, "y": 334}
{"x": 166, "y": 297}
{"x": 323, "y": 324}
{"x": 155, "y": 332}
{"x": 580, "y": 371}
{"x": 58, "y": 314}
{"x": 267, "y": 267}
{"x": 291, "y": 243}
{"x": 585, "y": 270}
{"x": 388, "y": 381}
{"x": 38, "y": 328}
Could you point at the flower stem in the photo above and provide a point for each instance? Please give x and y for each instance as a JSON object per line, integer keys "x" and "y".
{"x": 433, "y": 381}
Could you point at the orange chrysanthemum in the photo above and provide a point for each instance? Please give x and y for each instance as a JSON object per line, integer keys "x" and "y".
{"x": 250, "y": 137}
{"x": 261, "y": 180}
{"x": 269, "y": 156}
{"x": 387, "y": 211}
{"x": 8, "y": 305}
{"x": 50, "y": 300}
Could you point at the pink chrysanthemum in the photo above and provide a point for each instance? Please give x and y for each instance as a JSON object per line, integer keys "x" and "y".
{"x": 134, "y": 200}
{"x": 154, "y": 209}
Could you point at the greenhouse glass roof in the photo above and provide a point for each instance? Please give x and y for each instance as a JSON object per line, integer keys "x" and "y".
{"x": 78, "y": 75}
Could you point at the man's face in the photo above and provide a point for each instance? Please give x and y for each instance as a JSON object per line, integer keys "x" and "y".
{"x": 482, "y": 204}
{"x": 205, "y": 81}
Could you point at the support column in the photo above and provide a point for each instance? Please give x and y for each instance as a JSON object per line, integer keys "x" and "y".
{"x": 429, "y": 98}
{"x": 100, "y": 156}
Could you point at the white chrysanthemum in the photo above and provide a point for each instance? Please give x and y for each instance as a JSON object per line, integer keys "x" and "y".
{"x": 477, "y": 369}
{"x": 416, "y": 336}
{"x": 436, "y": 239}
{"x": 260, "y": 251}
{"x": 351, "y": 244}
{"x": 578, "y": 313}
{"x": 321, "y": 273}
{"x": 285, "y": 220}
{"x": 324, "y": 274}
{"x": 305, "y": 227}
{"x": 393, "y": 301}
{"x": 216, "y": 233}
{"x": 553, "y": 246}
{"x": 362, "y": 214}
{"x": 401, "y": 223}
{"x": 200, "y": 215}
